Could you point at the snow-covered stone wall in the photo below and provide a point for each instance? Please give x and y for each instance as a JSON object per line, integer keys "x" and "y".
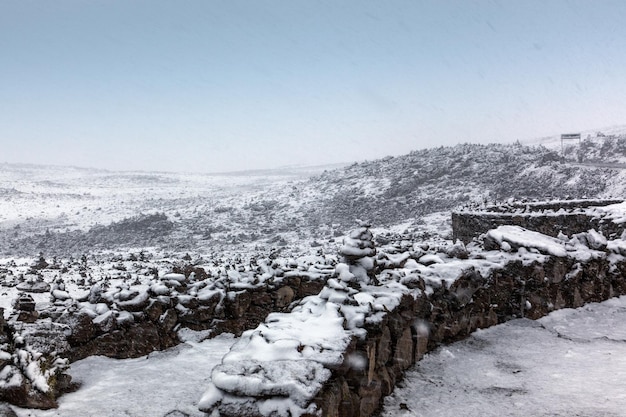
{"x": 124, "y": 320}
{"x": 550, "y": 218}
{"x": 31, "y": 375}
{"x": 340, "y": 352}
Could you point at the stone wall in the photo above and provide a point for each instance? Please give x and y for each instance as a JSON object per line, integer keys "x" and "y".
{"x": 425, "y": 319}
{"x": 134, "y": 329}
{"x": 155, "y": 322}
{"x": 450, "y": 314}
{"x": 550, "y": 218}
{"x": 425, "y": 310}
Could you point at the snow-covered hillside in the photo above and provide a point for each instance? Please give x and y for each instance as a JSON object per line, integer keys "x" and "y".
{"x": 61, "y": 211}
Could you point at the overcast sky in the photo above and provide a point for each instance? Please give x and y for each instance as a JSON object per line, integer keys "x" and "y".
{"x": 205, "y": 85}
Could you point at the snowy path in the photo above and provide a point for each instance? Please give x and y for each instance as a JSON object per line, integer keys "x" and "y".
{"x": 152, "y": 386}
{"x": 570, "y": 363}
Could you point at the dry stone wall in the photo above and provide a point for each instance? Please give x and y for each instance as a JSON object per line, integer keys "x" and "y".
{"x": 424, "y": 309}
{"x": 131, "y": 324}
{"x": 549, "y": 218}
{"x": 386, "y": 307}
{"x": 419, "y": 325}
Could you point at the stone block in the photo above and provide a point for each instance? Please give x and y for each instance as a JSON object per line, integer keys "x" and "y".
{"x": 403, "y": 351}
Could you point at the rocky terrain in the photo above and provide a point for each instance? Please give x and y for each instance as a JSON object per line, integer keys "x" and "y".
{"x": 124, "y": 264}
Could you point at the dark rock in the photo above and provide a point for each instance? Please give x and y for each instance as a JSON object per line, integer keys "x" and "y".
{"x": 27, "y": 316}
{"x": 134, "y": 302}
{"x": 24, "y": 302}
{"x": 168, "y": 320}
{"x": 188, "y": 301}
{"x": 383, "y": 348}
{"x": 310, "y": 287}
{"x": 81, "y": 327}
{"x": 26, "y": 396}
{"x": 370, "y": 398}
{"x": 154, "y": 310}
{"x": 137, "y": 340}
{"x": 260, "y": 298}
{"x": 236, "y": 304}
{"x": 105, "y": 322}
{"x": 34, "y": 286}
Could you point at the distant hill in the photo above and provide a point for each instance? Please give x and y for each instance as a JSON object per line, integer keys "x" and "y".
{"x": 394, "y": 189}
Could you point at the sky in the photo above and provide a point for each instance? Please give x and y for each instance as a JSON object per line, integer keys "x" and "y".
{"x": 223, "y": 85}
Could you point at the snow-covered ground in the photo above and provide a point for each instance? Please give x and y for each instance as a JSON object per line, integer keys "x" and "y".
{"x": 570, "y": 363}
{"x": 167, "y": 383}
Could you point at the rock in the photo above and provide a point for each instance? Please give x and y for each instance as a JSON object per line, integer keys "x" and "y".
{"x": 81, "y": 327}
{"x": 359, "y": 251}
{"x": 27, "y": 316}
{"x": 284, "y": 296}
{"x": 95, "y": 294}
{"x": 105, "y": 322}
{"x": 403, "y": 357}
{"x": 457, "y": 250}
{"x": 168, "y": 320}
{"x": 24, "y": 302}
{"x": 188, "y": 301}
{"x": 370, "y": 398}
{"x": 35, "y": 286}
{"x": 135, "y": 301}
{"x": 261, "y": 298}
{"x": 154, "y": 310}
{"x": 310, "y": 287}
{"x": 138, "y": 340}
{"x": 236, "y": 304}
{"x": 200, "y": 317}
{"x": 24, "y": 395}
{"x": 3, "y": 325}
{"x": 46, "y": 337}
{"x": 430, "y": 259}
{"x": 384, "y": 348}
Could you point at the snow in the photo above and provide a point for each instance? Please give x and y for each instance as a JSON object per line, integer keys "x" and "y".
{"x": 298, "y": 380}
{"x": 614, "y": 212}
{"x": 313, "y": 330}
{"x": 286, "y": 347}
{"x": 572, "y": 362}
{"x": 520, "y": 237}
{"x": 569, "y": 363}
{"x": 152, "y": 385}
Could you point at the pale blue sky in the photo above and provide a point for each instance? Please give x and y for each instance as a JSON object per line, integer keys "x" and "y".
{"x": 227, "y": 85}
